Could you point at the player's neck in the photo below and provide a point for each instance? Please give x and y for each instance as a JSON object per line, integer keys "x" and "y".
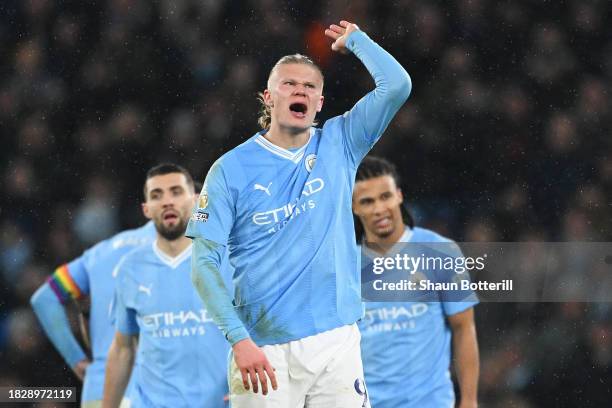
{"x": 383, "y": 244}
{"x": 173, "y": 248}
{"x": 287, "y": 138}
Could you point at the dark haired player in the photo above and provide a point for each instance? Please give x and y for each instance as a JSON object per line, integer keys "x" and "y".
{"x": 406, "y": 346}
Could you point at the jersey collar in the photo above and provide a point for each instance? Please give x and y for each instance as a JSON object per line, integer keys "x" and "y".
{"x": 406, "y": 237}
{"x": 295, "y": 156}
{"x": 172, "y": 262}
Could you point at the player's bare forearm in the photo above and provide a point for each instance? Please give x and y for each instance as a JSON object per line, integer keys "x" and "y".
{"x": 465, "y": 350}
{"x": 118, "y": 369}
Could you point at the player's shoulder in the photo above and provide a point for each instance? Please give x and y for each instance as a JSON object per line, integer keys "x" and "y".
{"x": 132, "y": 262}
{"x": 124, "y": 240}
{"x": 444, "y": 245}
{"x": 232, "y": 161}
{"x": 333, "y": 131}
{"x": 426, "y": 235}
{"x": 243, "y": 150}
{"x": 333, "y": 125}
{"x": 141, "y": 253}
{"x": 133, "y": 237}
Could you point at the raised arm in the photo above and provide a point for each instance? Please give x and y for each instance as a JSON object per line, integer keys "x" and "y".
{"x": 368, "y": 119}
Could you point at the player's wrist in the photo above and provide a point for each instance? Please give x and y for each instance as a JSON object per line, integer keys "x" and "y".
{"x": 354, "y": 38}
{"x": 75, "y": 357}
{"x": 236, "y": 335}
{"x": 468, "y": 403}
{"x": 242, "y": 343}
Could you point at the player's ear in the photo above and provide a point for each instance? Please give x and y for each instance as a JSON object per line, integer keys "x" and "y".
{"x": 267, "y": 98}
{"x": 355, "y": 207}
{"x": 320, "y": 104}
{"x": 146, "y": 211}
{"x": 400, "y": 195}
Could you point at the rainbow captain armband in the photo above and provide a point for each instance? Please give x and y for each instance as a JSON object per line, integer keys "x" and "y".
{"x": 63, "y": 285}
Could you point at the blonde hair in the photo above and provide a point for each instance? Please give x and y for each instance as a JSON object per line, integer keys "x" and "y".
{"x": 265, "y": 113}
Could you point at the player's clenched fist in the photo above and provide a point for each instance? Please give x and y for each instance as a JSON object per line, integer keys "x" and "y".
{"x": 339, "y": 33}
{"x": 253, "y": 363}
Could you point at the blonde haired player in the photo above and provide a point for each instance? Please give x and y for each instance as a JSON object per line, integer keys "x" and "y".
{"x": 281, "y": 204}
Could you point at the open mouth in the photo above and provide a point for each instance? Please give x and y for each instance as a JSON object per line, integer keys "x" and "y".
{"x": 298, "y": 109}
{"x": 382, "y": 223}
{"x": 170, "y": 217}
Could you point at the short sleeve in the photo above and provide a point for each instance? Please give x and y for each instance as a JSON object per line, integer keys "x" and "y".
{"x": 457, "y": 301}
{"x": 123, "y": 317}
{"x": 452, "y": 308}
{"x": 121, "y": 314}
{"x": 214, "y": 214}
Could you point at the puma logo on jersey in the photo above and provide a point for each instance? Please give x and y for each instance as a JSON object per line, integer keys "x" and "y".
{"x": 293, "y": 208}
{"x": 266, "y": 190}
{"x": 145, "y": 289}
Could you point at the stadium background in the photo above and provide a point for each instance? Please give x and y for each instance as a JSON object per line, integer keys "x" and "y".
{"x": 506, "y": 137}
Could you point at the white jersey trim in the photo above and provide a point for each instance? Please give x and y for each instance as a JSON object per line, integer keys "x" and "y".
{"x": 281, "y": 151}
{"x": 172, "y": 262}
{"x": 406, "y": 236}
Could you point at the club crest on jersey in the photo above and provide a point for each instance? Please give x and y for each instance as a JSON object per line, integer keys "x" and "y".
{"x": 310, "y": 161}
{"x": 203, "y": 200}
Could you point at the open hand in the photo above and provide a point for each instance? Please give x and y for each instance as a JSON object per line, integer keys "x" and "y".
{"x": 339, "y": 33}
{"x": 253, "y": 363}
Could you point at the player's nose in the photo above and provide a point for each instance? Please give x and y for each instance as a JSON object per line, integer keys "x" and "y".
{"x": 378, "y": 207}
{"x": 168, "y": 202}
{"x": 300, "y": 89}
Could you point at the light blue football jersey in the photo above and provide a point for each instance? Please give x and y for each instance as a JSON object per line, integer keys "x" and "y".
{"x": 406, "y": 347}
{"x": 182, "y": 355}
{"x": 286, "y": 217}
{"x": 92, "y": 274}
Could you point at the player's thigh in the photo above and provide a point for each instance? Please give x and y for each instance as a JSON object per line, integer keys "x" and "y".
{"x": 283, "y": 397}
{"x": 341, "y": 384}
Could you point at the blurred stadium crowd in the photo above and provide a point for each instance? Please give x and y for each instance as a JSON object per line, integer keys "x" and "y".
{"x": 506, "y": 137}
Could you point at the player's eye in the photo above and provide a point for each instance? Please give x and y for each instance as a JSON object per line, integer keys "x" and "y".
{"x": 289, "y": 83}
{"x": 310, "y": 86}
{"x": 386, "y": 196}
